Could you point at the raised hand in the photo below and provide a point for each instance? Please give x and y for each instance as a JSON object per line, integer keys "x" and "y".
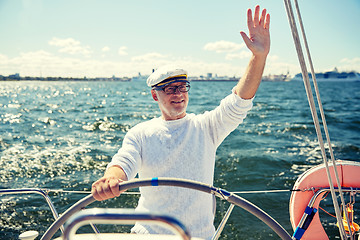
{"x": 258, "y": 40}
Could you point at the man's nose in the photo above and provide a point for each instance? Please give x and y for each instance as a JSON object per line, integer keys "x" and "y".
{"x": 177, "y": 91}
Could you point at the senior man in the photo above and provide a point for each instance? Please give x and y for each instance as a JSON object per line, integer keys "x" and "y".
{"x": 182, "y": 145}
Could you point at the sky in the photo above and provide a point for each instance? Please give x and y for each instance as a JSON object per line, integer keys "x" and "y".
{"x": 122, "y": 38}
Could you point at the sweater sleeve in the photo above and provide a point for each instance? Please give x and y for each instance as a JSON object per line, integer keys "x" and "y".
{"x": 227, "y": 116}
{"x": 129, "y": 155}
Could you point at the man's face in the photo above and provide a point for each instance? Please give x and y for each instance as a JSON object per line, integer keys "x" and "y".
{"x": 173, "y": 106}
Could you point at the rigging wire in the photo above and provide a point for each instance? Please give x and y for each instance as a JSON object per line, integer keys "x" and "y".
{"x": 313, "y": 108}
{"x": 321, "y": 108}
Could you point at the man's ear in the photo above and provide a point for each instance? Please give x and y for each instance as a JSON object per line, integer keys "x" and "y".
{"x": 153, "y": 94}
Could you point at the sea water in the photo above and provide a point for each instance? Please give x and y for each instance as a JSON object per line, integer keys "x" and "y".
{"x": 61, "y": 135}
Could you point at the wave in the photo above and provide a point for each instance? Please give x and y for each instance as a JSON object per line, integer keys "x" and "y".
{"x": 105, "y": 125}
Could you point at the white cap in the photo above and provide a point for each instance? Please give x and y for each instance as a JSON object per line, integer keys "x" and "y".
{"x": 170, "y": 73}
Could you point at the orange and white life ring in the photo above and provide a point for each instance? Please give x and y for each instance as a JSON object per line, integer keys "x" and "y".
{"x": 349, "y": 175}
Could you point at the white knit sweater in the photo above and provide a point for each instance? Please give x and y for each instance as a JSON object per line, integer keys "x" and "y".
{"x": 183, "y": 148}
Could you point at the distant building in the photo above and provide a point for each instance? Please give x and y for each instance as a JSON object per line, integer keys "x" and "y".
{"x": 140, "y": 78}
{"x": 15, "y": 76}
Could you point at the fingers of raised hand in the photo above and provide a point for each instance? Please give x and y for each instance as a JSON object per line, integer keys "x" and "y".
{"x": 258, "y": 39}
{"x": 250, "y": 21}
{"x": 262, "y": 21}
{"x": 263, "y": 17}
{"x": 267, "y": 21}
{"x": 256, "y": 16}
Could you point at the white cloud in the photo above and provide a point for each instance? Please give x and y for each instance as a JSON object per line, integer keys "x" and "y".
{"x": 149, "y": 57}
{"x": 122, "y": 51}
{"x": 223, "y": 46}
{"x": 105, "y": 49}
{"x": 347, "y": 64}
{"x": 3, "y": 58}
{"x": 275, "y": 65}
{"x": 45, "y": 64}
{"x": 42, "y": 63}
{"x": 70, "y": 46}
{"x": 239, "y": 55}
{"x": 271, "y": 57}
{"x": 347, "y": 60}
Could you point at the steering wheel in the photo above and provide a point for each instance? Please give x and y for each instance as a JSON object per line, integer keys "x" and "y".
{"x": 176, "y": 182}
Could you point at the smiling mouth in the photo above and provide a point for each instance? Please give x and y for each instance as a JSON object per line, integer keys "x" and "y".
{"x": 176, "y": 102}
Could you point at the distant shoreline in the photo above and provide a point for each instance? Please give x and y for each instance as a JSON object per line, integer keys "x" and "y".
{"x": 58, "y": 79}
{"x": 140, "y": 78}
{"x": 112, "y": 80}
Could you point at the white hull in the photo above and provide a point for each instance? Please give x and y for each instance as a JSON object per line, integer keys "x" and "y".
{"x": 332, "y": 77}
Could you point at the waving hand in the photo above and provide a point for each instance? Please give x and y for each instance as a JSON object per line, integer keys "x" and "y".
{"x": 258, "y": 40}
